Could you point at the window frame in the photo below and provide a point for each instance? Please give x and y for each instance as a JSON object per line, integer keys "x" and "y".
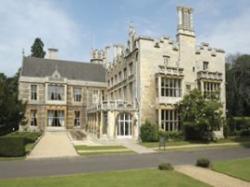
{"x": 33, "y": 93}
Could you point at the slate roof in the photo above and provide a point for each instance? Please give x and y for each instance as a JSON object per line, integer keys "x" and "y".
{"x": 40, "y": 67}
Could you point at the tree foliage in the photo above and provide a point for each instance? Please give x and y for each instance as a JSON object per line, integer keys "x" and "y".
{"x": 37, "y": 49}
{"x": 11, "y": 109}
{"x": 205, "y": 115}
{"x": 238, "y": 85}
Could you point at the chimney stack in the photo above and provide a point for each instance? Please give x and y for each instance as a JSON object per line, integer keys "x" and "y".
{"x": 52, "y": 53}
{"x": 185, "y": 21}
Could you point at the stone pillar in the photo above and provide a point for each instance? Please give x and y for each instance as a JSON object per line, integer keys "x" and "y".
{"x": 101, "y": 124}
{"x": 159, "y": 87}
{"x": 159, "y": 118}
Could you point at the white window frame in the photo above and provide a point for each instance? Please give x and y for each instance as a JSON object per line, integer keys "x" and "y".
{"x": 170, "y": 120}
{"x": 58, "y": 91}
{"x": 33, "y": 92}
{"x": 33, "y": 118}
{"x": 77, "y": 93}
{"x": 124, "y": 118}
{"x": 77, "y": 119}
{"x": 170, "y": 87}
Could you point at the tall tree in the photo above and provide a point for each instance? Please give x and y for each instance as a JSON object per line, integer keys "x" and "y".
{"x": 37, "y": 49}
{"x": 238, "y": 86}
{"x": 11, "y": 108}
{"x": 201, "y": 114}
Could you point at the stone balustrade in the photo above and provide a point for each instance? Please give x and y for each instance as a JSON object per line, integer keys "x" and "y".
{"x": 209, "y": 75}
{"x": 111, "y": 105}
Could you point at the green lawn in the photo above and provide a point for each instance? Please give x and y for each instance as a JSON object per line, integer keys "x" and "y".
{"x": 131, "y": 178}
{"x": 237, "y": 168}
{"x": 245, "y": 141}
{"x": 101, "y": 150}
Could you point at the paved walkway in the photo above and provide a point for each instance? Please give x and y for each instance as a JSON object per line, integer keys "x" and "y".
{"x": 74, "y": 165}
{"x": 200, "y": 145}
{"x": 53, "y": 144}
{"x": 132, "y": 145}
{"x": 211, "y": 177}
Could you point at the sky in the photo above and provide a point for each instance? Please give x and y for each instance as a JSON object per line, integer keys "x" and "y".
{"x": 75, "y": 27}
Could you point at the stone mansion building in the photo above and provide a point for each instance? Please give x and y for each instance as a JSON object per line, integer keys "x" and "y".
{"x": 123, "y": 85}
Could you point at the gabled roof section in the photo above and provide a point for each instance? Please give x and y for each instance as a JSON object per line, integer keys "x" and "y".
{"x": 40, "y": 67}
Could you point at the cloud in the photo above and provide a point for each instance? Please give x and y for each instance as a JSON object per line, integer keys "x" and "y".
{"x": 22, "y": 21}
{"x": 230, "y": 33}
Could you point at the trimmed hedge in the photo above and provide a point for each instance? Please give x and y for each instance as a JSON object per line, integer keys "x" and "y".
{"x": 178, "y": 135}
{"x": 149, "y": 132}
{"x": 12, "y": 146}
{"x": 196, "y": 132}
{"x": 29, "y": 137}
{"x": 165, "y": 166}
{"x": 203, "y": 162}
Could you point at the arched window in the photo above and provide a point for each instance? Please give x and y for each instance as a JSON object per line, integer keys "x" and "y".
{"x": 124, "y": 126}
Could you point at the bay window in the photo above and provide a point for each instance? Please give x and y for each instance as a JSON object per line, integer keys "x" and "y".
{"x": 170, "y": 87}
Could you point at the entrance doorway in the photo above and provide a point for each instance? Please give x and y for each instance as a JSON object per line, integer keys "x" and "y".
{"x": 124, "y": 126}
{"x": 56, "y": 118}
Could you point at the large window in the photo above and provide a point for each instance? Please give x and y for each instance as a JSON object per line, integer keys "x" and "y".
{"x": 169, "y": 120}
{"x": 77, "y": 94}
{"x": 124, "y": 126}
{"x": 55, "y": 92}
{"x": 77, "y": 121}
{"x": 55, "y": 118}
{"x": 170, "y": 87}
{"x": 33, "y": 92}
{"x": 211, "y": 89}
{"x": 33, "y": 120}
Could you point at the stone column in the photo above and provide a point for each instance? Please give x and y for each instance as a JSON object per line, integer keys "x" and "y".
{"x": 159, "y": 117}
{"x": 159, "y": 87}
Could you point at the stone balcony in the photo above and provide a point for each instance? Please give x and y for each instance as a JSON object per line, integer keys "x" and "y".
{"x": 118, "y": 105}
{"x": 171, "y": 71}
{"x": 209, "y": 75}
{"x": 168, "y": 100}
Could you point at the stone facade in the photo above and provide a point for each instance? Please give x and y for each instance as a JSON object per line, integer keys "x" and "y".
{"x": 90, "y": 92}
{"x": 153, "y": 74}
{"x": 144, "y": 80}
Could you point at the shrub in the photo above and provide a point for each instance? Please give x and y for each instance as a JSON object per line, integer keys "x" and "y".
{"x": 29, "y": 137}
{"x": 196, "y": 132}
{"x": 12, "y": 146}
{"x": 165, "y": 166}
{"x": 171, "y": 135}
{"x": 244, "y": 132}
{"x": 149, "y": 132}
{"x": 203, "y": 162}
{"x": 240, "y": 123}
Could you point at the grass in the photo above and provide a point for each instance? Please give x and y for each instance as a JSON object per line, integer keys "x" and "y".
{"x": 101, "y": 150}
{"x": 237, "y": 168}
{"x": 131, "y": 178}
{"x": 241, "y": 140}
